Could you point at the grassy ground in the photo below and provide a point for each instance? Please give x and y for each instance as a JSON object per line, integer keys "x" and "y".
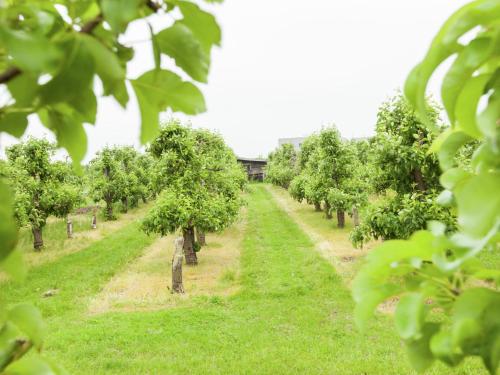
{"x": 292, "y": 314}
{"x": 56, "y": 243}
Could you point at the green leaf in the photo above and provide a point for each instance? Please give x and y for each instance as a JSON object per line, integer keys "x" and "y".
{"x": 419, "y": 352}
{"x": 33, "y": 365}
{"x": 179, "y": 42}
{"x": 24, "y": 89}
{"x": 452, "y": 177}
{"x": 480, "y": 12}
{"x": 29, "y": 320}
{"x": 446, "y": 146}
{"x": 77, "y": 73}
{"x": 8, "y": 227}
{"x": 487, "y": 120}
{"x": 203, "y": 24}
{"x": 409, "y": 316}
{"x": 467, "y": 62}
{"x": 108, "y": 68}
{"x": 442, "y": 347}
{"x": 86, "y": 106}
{"x": 14, "y": 265}
{"x": 478, "y": 204}
{"x": 69, "y": 131}
{"x": 467, "y": 103}
{"x": 118, "y": 13}
{"x": 156, "y": 48}
{"x": 32, "y": 52}
{"x": 14, "y": 123}
{"x": 158, "y": 90}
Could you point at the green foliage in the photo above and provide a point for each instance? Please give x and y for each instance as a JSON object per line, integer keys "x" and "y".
{"x": 199, "y": 179}
{"x": 402, "y": 164}
{"x": 281, "y": 166}
{"x": 435, "y": 270}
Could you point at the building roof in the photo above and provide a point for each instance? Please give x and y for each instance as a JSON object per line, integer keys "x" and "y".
{"x": 254, "y": 160}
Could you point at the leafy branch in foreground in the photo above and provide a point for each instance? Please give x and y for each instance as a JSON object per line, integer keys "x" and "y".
{"x": 449, "y": 303}
{"x": 51, "y": 54}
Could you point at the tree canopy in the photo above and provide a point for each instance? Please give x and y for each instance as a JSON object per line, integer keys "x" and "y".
{"x": 41, "y": 186}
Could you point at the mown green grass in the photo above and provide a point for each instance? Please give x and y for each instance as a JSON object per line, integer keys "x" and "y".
{"x": 292, "y": 315}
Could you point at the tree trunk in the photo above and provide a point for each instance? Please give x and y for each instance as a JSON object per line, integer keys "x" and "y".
{"x": 37, "y": 238}
{"x": 94, "y": 221}
{"x": 340, "y": 218}
{"x": 125, "y": 204}
{"x": 144, "y": 199}
{"x": 317, "y": 207}
{"x": 328, "y": 211}
{"x": 109, "y": 210}
{"x": 200, "y": 237}
{"x": 189, "y": 253}
{"x": 355, "y": 216}
{"x": 419, "y": 180}
{"x": 69, "y": 227}
{"x": 177, "y": 286}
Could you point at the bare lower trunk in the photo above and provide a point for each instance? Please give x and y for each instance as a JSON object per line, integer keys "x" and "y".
{"x": 419, "y": 179}
{"x": 355, "y": 216}
{"x": 37, "y": 238}
{"x": 125, "y": 204}
{"x": 328, "y": 211}
{"x": 94, "y": 221}
{"x": 317, "y": 207}
{"x": 200, "y": 237}
{"x": 189, "y": 253}
{"x": 109, "y": 210}
{"x": 177, "y": 286}
{"x": 340, "y": 218}
{"x": 69, "y": 227}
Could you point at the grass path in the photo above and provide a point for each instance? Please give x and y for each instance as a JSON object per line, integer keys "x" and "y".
{"x": 292, "y": 315}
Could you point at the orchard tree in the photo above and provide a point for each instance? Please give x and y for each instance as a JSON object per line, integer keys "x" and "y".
{"x": 329, "y": 166}
{"x": 107, "y": 179}
{"x": 407, "y": 170}
{"x": 73, "y": 43}
{"x": 127, "y": 157}
{"x": 41, "y": 187}
{"x": 201, "y": 185}
{"x": 281, "y": 166}
{"x": 448, "y": 301}
{"x": 299, "y": 183}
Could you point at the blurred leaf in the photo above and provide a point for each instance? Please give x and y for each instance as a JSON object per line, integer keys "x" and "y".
{"x": 118, "y": 13}
{"x": 409, "y": 316}
{"x": 158, "y": 90}
{"x": 30, "y": 51}
{"x": 179, "y": 42}
{"x": 29, "y": 320}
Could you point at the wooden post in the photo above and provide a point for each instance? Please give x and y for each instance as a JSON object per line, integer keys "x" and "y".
{"x": 69, "y": 227}
{"x": 355, "y": 216}
{"x": 94, "y": 221}
{"x": 177, "y": 258}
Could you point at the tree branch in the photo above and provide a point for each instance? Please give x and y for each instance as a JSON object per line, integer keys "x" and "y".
{"x": 9, "y": 74}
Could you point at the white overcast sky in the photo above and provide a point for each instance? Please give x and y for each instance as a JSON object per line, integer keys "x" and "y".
{"x": 288, "y": 67}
